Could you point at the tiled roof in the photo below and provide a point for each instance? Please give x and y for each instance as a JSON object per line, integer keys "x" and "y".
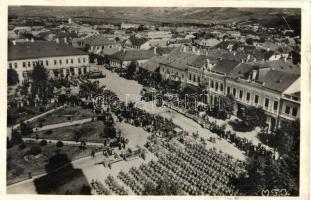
{"x": 225, "y": 66}
{"x": 278, "y": 80}
{"x": 132, "y": 55}
{"x": 97, "y": 40}
{"x": 152, "y": 64}
{"x": 41, "y": 49}
{"x": 163, "y": 50}
{"x": 281, "y": 65}
{"x": 272, "y": 77}
{"x": 179, "y": 60}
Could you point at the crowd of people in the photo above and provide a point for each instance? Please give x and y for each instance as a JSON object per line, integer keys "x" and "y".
{"x": 114, "y": 186}
{"x": 241, "y": 143}
{"x": 196, "y": 170}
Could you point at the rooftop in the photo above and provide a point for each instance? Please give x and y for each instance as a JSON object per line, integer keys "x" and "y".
{"x": 41, "y": 49}
{"x": 97, "y": 40}
{"x": 132, "y": 55}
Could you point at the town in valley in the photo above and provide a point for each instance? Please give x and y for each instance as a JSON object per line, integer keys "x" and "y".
{"x": 153, "y": 101}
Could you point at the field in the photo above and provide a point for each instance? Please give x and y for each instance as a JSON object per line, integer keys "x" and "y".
{"x": 90, "y": 132}
{"x": 65, "y": 114}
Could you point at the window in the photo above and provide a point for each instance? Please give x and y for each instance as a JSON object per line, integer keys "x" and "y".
{"x": 294, "y": 111}
{"x": 216, "y": 86}
{"x": 256, "y": 99}
{"x": 275, "y": 105}
{"x": 55, "y": 62}
{"x": 228, "y": 90}
{"x": 194, "y": 78}
{"x": 248, "y": 96}
{"x": 189, "y": 77}
{"x": 66, "y": 61}
{"x": 266, "y": 102}
{"x": 15, "y": 65}
{"x": 47, "y": 63}
{"x": 60, "y": 62}
{"x": 212, "y": 84}
{"x": 10, "y": 65}
{"x": 287, "y": 110}
{"x": 79, "y": 60}
{"x": 84, "y": 60}
{"x": 29, "y": 64}
{"x": 182, "y": 76}
{"x": 71, "y": 61}
{"x": 199, "y": 80}
{"x": 221, "y": 87}
{"x": 33, "y": 63}
{"x": 241, "y": 94}
{"x": 234, "y": 91}
{"x": 24, "y": 64}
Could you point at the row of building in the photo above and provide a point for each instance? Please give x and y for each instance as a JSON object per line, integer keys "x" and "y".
{"x": 272, "y": 85}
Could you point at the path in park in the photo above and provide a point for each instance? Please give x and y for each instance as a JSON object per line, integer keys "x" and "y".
{"x": 60, "y": 125}
{"x": 69, "y": 143}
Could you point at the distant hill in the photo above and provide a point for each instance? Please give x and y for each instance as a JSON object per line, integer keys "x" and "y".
{"x": 157, "y": 14}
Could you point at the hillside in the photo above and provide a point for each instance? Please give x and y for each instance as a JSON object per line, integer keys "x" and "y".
{"x": 156, "y": 14}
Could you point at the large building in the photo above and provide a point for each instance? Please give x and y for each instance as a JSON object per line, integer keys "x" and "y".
{"x": 59, "y": 58}
{"x": 123, "y": 58}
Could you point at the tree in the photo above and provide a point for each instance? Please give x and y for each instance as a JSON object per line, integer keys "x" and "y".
{"x": 249, "y": 41}
{"x": 255, "y": 116}
{"x": 35, "y": 150}
{"x": 59, "y": 144}
{"x": 229, "y": 104}
{"x": 12, "y": 77}
{"x": 89, "y": 89}
{"x": 270, "y": 174}
{"x": 41, "y": 86}
{"x": 110, "y": 131}
{"x": 85, "y": 190}
{"x": 131, "y": 69}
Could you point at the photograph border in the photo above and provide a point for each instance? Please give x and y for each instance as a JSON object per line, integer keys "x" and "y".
{"x": 305, "y": 7}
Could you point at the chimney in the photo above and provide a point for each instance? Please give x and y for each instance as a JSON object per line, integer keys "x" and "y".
{"x": 32, "y": 40}
{"x": 193, "y": 49}
{"x": 14, "y": 42}
{"x": 254, "y": 74}
{"x": 285, "y": 59}
{"x": 57, "y": 40}
{"x": 155, "y": 51}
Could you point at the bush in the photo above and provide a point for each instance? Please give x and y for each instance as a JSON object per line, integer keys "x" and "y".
{"x": 12, "y": 117}
{"x": 22, "y": 146}
{"x": 43, "y": 143}
{"x": 49, "y": 132}
{"x": 240, "y": 126}
{"x": 59, "y": 144}
{"x": 35, "y": 150}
